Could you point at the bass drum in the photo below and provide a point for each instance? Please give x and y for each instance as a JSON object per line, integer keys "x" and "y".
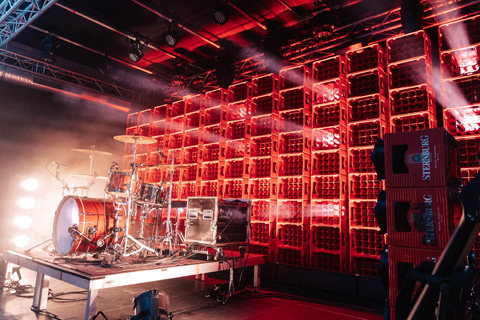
{"x": 93, "y": 218}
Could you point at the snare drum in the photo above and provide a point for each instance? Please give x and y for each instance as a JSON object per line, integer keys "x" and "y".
{"x": 93, "y": 218}
{"x": 117, "y": 183}
{"x": 148, "y": 193}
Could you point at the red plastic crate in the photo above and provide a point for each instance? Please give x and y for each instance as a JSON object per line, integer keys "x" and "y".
{"x": 294, "y": 142}
{"x": 328, "y": 115}
{"x": 329, "y": 261}
{"x": 423, "y": 158}
{"x": 408, "y": 46}
{"x": 413, "y": 122}
{"x": 176, "y": 109}
{"x": 452, "y": 35}
{"x": 362, "y": 214}
{"x": 328, "y": 239}
{"x": 422, "y": 218}
{"x": 144, "y": 117}
{"x": 265, "y": 104}
{"x": 461, "y": 92}
{"x": 209, "y": 170}
{"x": 264, "y": 210}
{"x": 366, "y": 58}
{"x": 369, "y": 107}
{"x": 363, "y": 266}
{"x": 211, "y": 116}
{"x": 298, "y": 164}
{"x": 364, "y": 186}
{"x": 412, "y": 99}
{"x": 366, "y": 243}
{"x": 233, "y": 169}
{"x": 410, "y": 73}
{"x": 159, "y": 128}
{"x": 367, "y": 83}
{"x": 468, "y": 174}
{"x": 329, "y": 212}
{"x": 329, "y": 162}
{"x": 264, "y": 167}
{"x": 476, "y": 249}
{"x": 239, "y": 91}
{"x": 175, "y": 140}
{"x": 299, "y": 258}
{"x": 360, "y": 161}
{"x": 263, "y": 188}
{"x": 155, "y": 175}
{"x": 188, "y": 189}
{"x": 210, "y": 188}
{"x": 191, "y": 138}
{"x": 175, "y": 189}
{"x": 153, "y": 157}
{"x": 329, "y": 68}
{"x": 260, "y": 233}
{"x": 236, "y": 149}
{"x": 329, "y": 138}
{"x": 159, "y": 112}
{"x": 462, "y": 121}
{"x": 216, "y": 98}
{"x": 189, "y": 173}
{"x": 263, "y": 249}
{"x": 366, "y": 133}
{"x": 332, "y": 187}
{"x": 296, "y": 76}
{"x": 264, "y": 146}
{"x": 211, "y": 134}
{"x": 295, "y": 98}
{"x": 293, "y": 236}
{"x": 329, "y": 91}
{"x": 235, "y": 130}
{"x": 296, "y": 120}
{"x": 193, "y": 103}
{"x": 190, "y": 155}
{"x": 166, "y": 175}
{"x": 260, "y": 126}
{"x": 132, "y": 120}
{"x": 460, "y": 62}
{"x": 236, "y": 111}
{"x": 209, "y": 152}
{"x": 175, "y": 125}
{"x": 235, "y": 189}
{"x": 296, "y": 212}
{"x": 192, "y": 120}
{"x": 265, "y": 84}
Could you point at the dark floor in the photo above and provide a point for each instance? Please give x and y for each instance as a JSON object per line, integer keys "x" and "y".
{"x": 188, "y": 300}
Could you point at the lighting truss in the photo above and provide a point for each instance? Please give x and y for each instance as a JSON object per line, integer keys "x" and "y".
{"x": 15, "y": 15}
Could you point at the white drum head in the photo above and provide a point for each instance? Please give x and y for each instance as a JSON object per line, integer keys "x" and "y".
{"x": 65, "y": 217}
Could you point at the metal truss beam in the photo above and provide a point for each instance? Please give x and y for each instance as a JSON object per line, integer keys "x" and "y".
{"x": 17, "y": 14}
{"x": 64, "y": 76}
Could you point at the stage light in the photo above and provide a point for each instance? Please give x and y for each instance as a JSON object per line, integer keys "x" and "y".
{"x": 26, "y": 203}
{"x": 30, "y": 184}
{"x": 136, "y": 53}
{"x": 21, "y": 241}
{"x": 23, "y": 222}
{"x": 221, "y": 13}
{"x": 172, "y": 36}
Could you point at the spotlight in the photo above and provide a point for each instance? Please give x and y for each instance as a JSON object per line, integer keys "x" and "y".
{"x": 136, "y": 53}
{"x": 21, "y": 241}
{"x": 26, "y": 203}
{"x": 30, "y": 184}
{"x": 221, "y": 13}
{"x": 172, "y": 36}
{"x": 23, "y": 222}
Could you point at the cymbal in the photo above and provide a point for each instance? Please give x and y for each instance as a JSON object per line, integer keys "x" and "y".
{"x": 86, "y": 176}
{"x": 93, "y": 151}
{"x": 135, "y": 139}
{"x": 171, "y": 166}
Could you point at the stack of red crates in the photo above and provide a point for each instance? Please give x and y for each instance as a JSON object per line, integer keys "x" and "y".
{"x": 328, "y": 217}
{"x": 366, "y": 123}
{"x": 263, "y": 132}
{"x": 423, "y": 206}
{"x": 293, "y": 166}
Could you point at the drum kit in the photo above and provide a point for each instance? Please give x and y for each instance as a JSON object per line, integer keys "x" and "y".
{"x": 126, "y": 222}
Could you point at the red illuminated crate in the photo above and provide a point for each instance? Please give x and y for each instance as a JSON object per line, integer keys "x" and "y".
{"x": 462, "y": 121}
{"x": 155, "y": 175}
{"x": 194, "y": 103}
{"x": 158, "y": 128}
{"x": 366, "y": 58}
{"x": 211, "y": 134}
{"x": 298, "y": 164}
{"x": 295, "y": 98}
{"x": 329, "y": 91}
{"x": 362, "y": 214}
{"x": 461, "y": 92}
{"x": 264, "y": 167}
{"x": 329, "y": 68}
{"x": 165, "y": 174}
{"x": 401, "y": 262}
{"x": 364, "y": 266}
{"x": 413, "y": 122}
{"x": 329, "y": 162}
{"x": 360, "y": 160}
{"x": 153, "y": 157}
{"x": 210, "y": 188}
{"x": 235, "y": 149}
{"x": 175, "y": 125}
{"x": 422, "y": 158}
{"x": 239, "y": 91}
{"x": 294, "y": 142}
{"x": 237, "y": 168}
{"x": 175, "y": 193}
{"x": 235, "y": 130}
{"x": 299, "y": 258}
{"x": 188, "y": 189}
{"x": 144, "y": 130}
{"x": 260, "y": 126}
{"x": 292, "y": 236}
{"x": 191, "y": 138}
{"x": 131, "y": 131}
{"x": 209, "y": 152}
{"x": 329, "y": 212}
{"x": 329, "y": 138}
{"x": 366, "y": 243}
{"x": 265, "y": 84}
{"x": 176, "y": 109}
{"x": 366, "y": 133}
{"x": 329, "y": 261}
{"x": 369, "y": 107}
{"x": 189, "y": 173}
{"x": 263, "y": 249}
{"x": 332, "y": 187}
{"x": 327, "y": 115}
{"x": 468, "y": 174}
{"x": 216, "y": 98}
{"x": 143, "y": 174}
{"x": 265, "y": 104}
{"x": 263, "y": 188}
{"x": 408, "y": 46}
{"x": 190, "y": 155}
{"x": 364, "y": 186}
{"x": 132, "y": 120}
{"x": 422, "y": 217}
{"x": 175, "y": 154}
{"x": 261, "y": 233}
{"x": 192, "y": 120}
{"x": 209, "y": 170}
{"x": 175, "y": 140}
{"x": 235, "y": 189}
{"x": 412, "y": 99}
{"x": 410, "y": 73}
{"x": 264, "y": 146}
{"x": 460, "y": 62}
{"x": 296, "y": 120}
{"x": 211, "y": 116}
{"x": 127, "y": 163}
{"x": 476, "y": 249}
{"x": 462, "y": 29}
{"x": 159, "y": 112}
{"x": 328, "y": 239}
{"x": 367, "y": 83}
{"x": 297, "y": 212}
{"x": 264, "y": 210}
{"x": 236, "y": 111}
{"x": 144, "y": 117}
{"x": 296, "y": 76}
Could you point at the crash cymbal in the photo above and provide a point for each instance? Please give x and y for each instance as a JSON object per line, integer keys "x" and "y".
{"x": 93, "y": 151}
{"x": 171, "y": 166}
{"x": 135, "y": 139}
{"x": 86, "y": 176}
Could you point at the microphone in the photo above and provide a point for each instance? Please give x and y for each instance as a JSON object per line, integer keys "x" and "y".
{"x": 60, "y": 165}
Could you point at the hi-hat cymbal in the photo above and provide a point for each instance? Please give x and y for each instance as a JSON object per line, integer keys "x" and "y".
{"x": 135, "y": 139}
{"x": 171, "y": 166}
{"x": 87, "y": 176}
{"x": 93, "y": 151}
